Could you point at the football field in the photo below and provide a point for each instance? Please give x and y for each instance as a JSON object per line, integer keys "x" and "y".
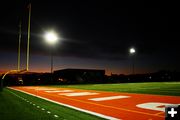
{"x": 100, "y": 101}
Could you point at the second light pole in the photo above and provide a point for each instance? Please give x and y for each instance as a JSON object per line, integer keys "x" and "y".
{"x": 132, "y": 51}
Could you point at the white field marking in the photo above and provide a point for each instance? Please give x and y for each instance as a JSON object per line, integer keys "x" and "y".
{"x": 109, "y": 98}
{"x": 70, "y": 106}
{"x": 59, "y": 91}
{"x": 34, "y": 104}
{"x": 154, "y": 106}
{"x": 45, "y": 89}
{"x": 78, "y": 94}
{"x": 56, "y": 116}
{"x": 31, "y": 87}
{"x": 48, "y": 112}
{"x": 42, "y": 109}
{"x": 38, "y": 106}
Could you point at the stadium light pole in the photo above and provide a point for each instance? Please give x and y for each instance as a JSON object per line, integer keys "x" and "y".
{"x": 28, "y": 38}
{"x": 132, "y": 51}
{"x": 19, "y": 48}
{"x": 51, "y": 38}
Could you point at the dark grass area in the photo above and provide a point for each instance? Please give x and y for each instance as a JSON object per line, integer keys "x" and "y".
{"x": 14, "y": 108}
{"x": 159, "y": 88}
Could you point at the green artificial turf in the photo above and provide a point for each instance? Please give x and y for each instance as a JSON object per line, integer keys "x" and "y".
{"x": 12, "y": 107}
{"x": 159, "y": 88}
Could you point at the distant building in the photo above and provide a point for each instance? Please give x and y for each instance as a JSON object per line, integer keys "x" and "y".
{"x": 79, "y": 76}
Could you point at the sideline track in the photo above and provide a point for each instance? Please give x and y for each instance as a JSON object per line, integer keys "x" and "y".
{"x": 108, "y": 105}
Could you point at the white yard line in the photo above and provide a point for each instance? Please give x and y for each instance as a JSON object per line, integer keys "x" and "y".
{"x": 48, "y": 112}
{"x": 109, "y": 98}
{"x": 78, "y": 94}
{"x": 56, "y": 116}
{"x": 45, "y": 89}
{"x": 56, "y": 91}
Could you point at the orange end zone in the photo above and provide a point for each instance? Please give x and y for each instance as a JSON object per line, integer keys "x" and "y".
{"x": 113, "y": 104}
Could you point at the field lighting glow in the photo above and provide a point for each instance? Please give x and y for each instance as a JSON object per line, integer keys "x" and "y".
{"x": 132, "y": 50}
{"x": 51, "y": 37}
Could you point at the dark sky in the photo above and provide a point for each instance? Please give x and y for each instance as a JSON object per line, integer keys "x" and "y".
{"x": 93, "y": 35}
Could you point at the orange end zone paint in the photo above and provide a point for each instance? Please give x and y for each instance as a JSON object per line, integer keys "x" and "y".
{"x": 135, "y": 106}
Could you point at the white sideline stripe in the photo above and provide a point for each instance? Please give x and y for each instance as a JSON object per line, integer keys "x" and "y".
{"x": 66, "y": 105}
{"x": 109, "y": 98}
{"x": 59, "y": 91}
{"x": 78, "y": 94}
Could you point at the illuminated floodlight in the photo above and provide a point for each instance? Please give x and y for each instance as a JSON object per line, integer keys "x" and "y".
{"x": 132, "y": 50}
{"x": 51, "y": 37}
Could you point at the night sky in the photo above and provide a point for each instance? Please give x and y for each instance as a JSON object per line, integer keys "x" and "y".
{"x": 93, "y": 35}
